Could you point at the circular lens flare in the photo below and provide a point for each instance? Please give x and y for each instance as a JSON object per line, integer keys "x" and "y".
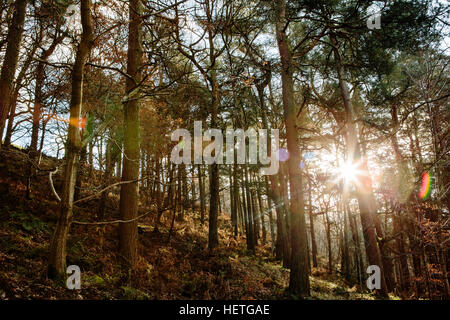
{"x": 282, "y": 155}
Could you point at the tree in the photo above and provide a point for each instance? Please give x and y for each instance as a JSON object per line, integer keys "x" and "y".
{"x": 299, "y": 279}
{"x": 57, "y": 257}
{"x": 9, "y": 66}
{"x": 129, "y": 192}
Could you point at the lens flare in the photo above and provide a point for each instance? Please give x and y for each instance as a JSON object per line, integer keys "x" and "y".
{"x": 425, "y": 188}
{"x": 348, "y": 171}
{"x": 301, "y": 165}
{"x": 282, "y": 155}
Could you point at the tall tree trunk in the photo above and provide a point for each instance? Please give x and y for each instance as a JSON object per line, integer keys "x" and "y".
{"x": 80, "y": 173}
{"x": 38, "y": 95}
{"x": 179, "y": 205}
{"x": 254, "y": 210}
{"x": 57, "y": 257}
{"x": 234, "y": 193}
{"x": 17, "y": 87}
{"x": 244, "y": 211}
{"x": 348, "y": 271}
{"x": 14, "y": 39}
{"x": 213, "y": 239}
{"x": 107, "y": 177}
{"x": 364, "y": 188}
{"x": 284, "y": 219}
{"x": 261, "y": 213}
{"x": 401, "y": 197}
{"x": 240, "y": 217}
{"x": 159, "y": 196}
{"x": 193, "y": 191}
{"x": 299, "y": 277}
{"x": 345, "y": 249}
{"x": 37, "y": 111}
{"x": 250, "y": 228}
{"x": 272, "y": 192}
{"x": 129, "y": 192}
{"x": 271, "y": 225}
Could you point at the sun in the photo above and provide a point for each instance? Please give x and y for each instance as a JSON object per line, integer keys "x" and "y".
{"x": 348, "y": 171}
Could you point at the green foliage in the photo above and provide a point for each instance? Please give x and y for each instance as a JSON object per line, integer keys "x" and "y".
{"x": 135, "y": 294}
{"x": 29, "y": 222}
{"x": 96, "y": 279}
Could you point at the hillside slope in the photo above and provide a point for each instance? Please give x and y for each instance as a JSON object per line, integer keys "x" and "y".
{"x": 172, "y": 265}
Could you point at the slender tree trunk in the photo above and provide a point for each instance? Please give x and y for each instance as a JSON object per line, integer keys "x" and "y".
{"x": 180, "y": 210}
{"x": 356, "y": 242}
{"x": 271, "y": 225}
{"x": 364, "y": 188}
{"x": 201, "y": 186}
{"x": 80, "y": 173}
{"x": 240, "y": 220}
{"x": 159, "y": 197}
{"x": 311, "y": 225}
{"x": 385, "y": 256}
{"x": 193, "y": 191}
{"x": 57, "y": 257}
{"x": 18, "y": 86}
{"x": 285, "y": 220}
{"x": 14, "y": 39}
{"x": 38, "y": 95}
{"x": 397, "y": 224}
{"x": 346, "y": 252}
{"x": 41, "y": 143}
{"x": 299, "y": 277}
{"x": 213, "y": 240}
{"x": 328, "y": 233}
{"x": 167, "y": 200}
{"x": 403, "y": 265}
{"x": 254, "y": 211}
{"x": 234, "y": 193}
{"x": 107, "y": 177}
{"x": 244, "y": 211}
{"x": 129, "y": 193}
{"x": 11, "y": 116}
{"x": 250, "y": 228}
{"x": 261, "y": 213}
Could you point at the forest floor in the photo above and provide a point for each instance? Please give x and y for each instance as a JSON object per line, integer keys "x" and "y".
{"x": 175, "y": 266}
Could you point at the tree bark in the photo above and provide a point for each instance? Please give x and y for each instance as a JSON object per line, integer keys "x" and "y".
{"x": 250, "y": 228}
{"x": 17, "y": 87}
{"x": 261, "y": 213}
{"x": 14, "y": 39}
{"x": 234, "y": 193}
{"x": 311, "y": 225}
{"x": 129, "y": 192}
{"x": 57, "y": 257}
{"x": 201, "y": 186}
{"x": 299, "y": 277}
